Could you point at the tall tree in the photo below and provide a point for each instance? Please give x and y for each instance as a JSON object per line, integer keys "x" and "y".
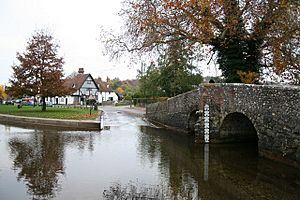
{"x": 149, "y": 81}
{"x": 246, "y": 35}
{"x": 174, "y": 74}
{"x": 40, "y": 69}
{"x": 177, "y": 72}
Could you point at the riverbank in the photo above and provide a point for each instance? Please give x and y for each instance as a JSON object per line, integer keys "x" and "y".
{"x": 52, "y": 112}
{"x": 66, "y": 124}
{"x": 59, "y": 124}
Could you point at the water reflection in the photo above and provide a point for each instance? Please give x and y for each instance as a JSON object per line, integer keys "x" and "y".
{"x": 133, "y": 190}
{"x": 217, "y": 171}
{"x": 128, "y": 161}
{"x": 206, "y": 161}
{"x": 39, "y": 159}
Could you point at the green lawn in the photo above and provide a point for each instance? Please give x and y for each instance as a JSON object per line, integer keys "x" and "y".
{"x": 52, "y": 112}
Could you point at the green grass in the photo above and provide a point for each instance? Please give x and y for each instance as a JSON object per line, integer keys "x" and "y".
{"x": 52, "y": 112}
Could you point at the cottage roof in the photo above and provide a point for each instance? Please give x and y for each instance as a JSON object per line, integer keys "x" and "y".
{"x": 77, "y": 81}
{"x": 104, "y": 86}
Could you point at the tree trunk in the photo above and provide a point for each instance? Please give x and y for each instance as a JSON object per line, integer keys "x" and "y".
{"x": 43, "y": 104}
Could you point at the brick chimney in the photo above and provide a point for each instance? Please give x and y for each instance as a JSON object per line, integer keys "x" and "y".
{"x": 81, "y": 70}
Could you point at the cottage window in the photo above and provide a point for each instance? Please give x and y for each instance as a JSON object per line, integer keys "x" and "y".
{"x": 89, "y": 82}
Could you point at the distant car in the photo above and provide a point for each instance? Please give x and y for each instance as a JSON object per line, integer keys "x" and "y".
{"x": 17, "y": 102}
{"x": 27, "y": 103}
{"x": 9, "y": 102}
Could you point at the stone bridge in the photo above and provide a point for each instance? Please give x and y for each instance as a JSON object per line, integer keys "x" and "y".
{"x": 238, "y": 113}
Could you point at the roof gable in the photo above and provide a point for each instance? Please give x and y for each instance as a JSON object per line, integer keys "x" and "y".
{"x": 77, "y": 81}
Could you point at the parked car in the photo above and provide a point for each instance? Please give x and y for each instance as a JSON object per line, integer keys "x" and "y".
{"x": 27, "y": 103}
{"x": 17, "y": 102}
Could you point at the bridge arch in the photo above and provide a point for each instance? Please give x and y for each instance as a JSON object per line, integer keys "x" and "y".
{"x": 273, "y": 110}
{"x": 237, "y": 127}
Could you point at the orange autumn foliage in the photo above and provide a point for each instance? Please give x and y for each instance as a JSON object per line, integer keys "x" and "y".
{"x": 3, "y": 95}
{"x": 266, "y": 33}
{"x": 248, "y": 77}
{"x": 120, "y": 90}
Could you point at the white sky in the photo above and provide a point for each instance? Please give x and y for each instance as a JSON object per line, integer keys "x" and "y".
{"x": 75, "y": 24}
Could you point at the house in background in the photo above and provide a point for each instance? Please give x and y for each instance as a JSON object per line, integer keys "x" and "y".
{"x": 106, "y": 93}
{"x": 83, "y": 87}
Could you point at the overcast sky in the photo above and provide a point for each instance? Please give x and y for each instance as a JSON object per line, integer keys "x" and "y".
{"x": 75, "y": 24}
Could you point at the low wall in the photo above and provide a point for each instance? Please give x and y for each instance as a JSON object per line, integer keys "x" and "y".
{"x": 174, "y": 112}
{"x": 29, "y": 122}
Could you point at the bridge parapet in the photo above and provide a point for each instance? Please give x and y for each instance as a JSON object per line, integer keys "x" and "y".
{"x": 175, "y": 112}
{"x": 239, "y": 112}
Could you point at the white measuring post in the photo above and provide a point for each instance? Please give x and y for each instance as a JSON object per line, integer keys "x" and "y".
{"x": 206, "y": 123}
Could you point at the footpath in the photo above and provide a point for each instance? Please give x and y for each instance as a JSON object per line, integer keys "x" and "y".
{"x": 136, "y": 111}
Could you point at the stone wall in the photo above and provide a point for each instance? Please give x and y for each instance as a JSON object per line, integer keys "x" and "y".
{"x": 274, "y": 112}
{"x": 270, "y": 114}
{"x": 174, "y": 112}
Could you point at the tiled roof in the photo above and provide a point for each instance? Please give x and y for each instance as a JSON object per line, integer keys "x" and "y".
{"x": 76, "y": 82}
{"x": 104, "y": 86}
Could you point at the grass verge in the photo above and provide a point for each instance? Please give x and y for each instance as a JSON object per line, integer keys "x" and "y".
{"x": 52, "y": 112}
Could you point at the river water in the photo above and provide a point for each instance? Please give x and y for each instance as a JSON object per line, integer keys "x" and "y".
{"x": 130, "y": 159}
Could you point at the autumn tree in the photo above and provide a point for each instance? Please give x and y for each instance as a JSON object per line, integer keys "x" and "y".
{"x": 116, "y": 83}
{"x": 40, "y": 69}
{"x": 3, "y": 94}
{"x": 245, "y": 35}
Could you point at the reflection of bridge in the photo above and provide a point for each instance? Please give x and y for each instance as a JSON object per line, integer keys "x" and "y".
{"x": 239, "y": 112}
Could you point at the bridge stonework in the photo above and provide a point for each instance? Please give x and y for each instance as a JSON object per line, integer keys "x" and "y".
{"x": 239, "y": 112}
{"x": 176, "y": 111}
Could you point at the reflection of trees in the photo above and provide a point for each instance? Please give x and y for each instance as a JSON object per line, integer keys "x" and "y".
{"x": 40, "y": 159}
{"x": 174, "y": 158}
{"x": 135, "y": 190}
{"x": 80, "y": 140}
